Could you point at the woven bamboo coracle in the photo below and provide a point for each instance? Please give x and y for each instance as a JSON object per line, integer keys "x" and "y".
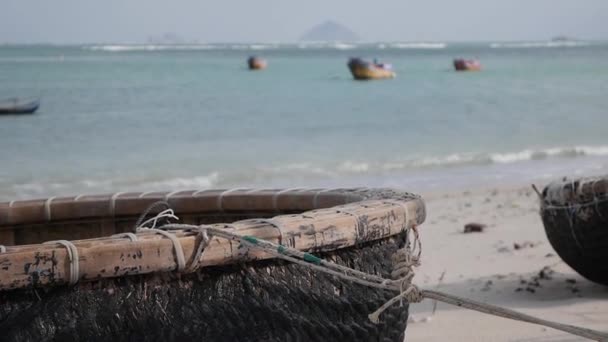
{"x": 76, "y": 268}
{"x": 575, "y": 216}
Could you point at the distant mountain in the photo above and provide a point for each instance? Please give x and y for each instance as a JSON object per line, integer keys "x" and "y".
{"x": 562, "y": 38}
{"x": 330, "y": 31}
{"x": 166, "y": 38}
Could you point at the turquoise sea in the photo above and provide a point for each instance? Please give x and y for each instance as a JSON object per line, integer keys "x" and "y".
{"x": 153, "y": 117}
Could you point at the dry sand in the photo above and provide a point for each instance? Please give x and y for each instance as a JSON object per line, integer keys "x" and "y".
{"x": 488, "y": 267}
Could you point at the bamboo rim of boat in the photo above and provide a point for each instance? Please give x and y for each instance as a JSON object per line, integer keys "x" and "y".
{"x": 574, "y": 192}
{"x": 314, "y": 220}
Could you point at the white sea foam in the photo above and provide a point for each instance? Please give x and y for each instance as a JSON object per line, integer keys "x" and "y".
{"x": 328, "y": 45}
{"x": 524, "y": 45}
{"x": 87, "y": 186}
{"x": 297, "y": 168}
{"x": 343, "y": 46}
{"x": 550, "y": 152}
{"x": 508, "y": 157}
{"x": 182, "y": 183}
{"x": 488, "y": 158}
{"x": 310, "y": 172}
{"x": 331, "y": 169}
{"x": 354, "y": 167}
{"x": 151, "y": 47}
{"x": 419, "y": 45}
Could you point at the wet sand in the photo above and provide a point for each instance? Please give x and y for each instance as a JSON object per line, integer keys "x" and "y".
{"x": 510, "y": 264}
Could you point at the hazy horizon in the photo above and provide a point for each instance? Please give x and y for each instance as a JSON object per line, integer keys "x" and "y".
{"x": 116, "y": 21}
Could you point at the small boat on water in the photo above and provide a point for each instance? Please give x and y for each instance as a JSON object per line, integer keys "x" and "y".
{"x": 104, "y": 267}
{"x": 365, "y": 70}
{"x": 461, "y": 64}
{"x": 575, "y": 216}
{"x": 256, "y": 63}
{"x": 19, "y": 106}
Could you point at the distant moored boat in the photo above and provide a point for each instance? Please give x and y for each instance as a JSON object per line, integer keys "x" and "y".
{"x": 18, "y": 106}
{"x": 365, "y": 70}
{"x": 461, "y": 64}
{"x": 256, "y": 63}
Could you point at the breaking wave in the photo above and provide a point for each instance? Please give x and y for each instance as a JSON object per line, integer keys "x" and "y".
{"x": 503, "y": 158}
{"x": 41, "y": 189}
{"x": 149, "y": 47}
{"x": 354, "y": 167}
{"x": 525, "y": 45}
{"x": 420, "y": 45}
{"x": 179, "y": 47}
{"x": 289, "y": 174}
{"x": 261, "y": 46}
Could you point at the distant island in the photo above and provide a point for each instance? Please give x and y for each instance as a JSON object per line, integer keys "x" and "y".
{"x": 563, "y": 38}
{"x": 330, "y": 31}
{"x": 168, "y": 38}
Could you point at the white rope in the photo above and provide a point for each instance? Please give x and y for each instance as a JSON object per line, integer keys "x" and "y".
{"x": 220, "y": 198}
{"x": 199, "y": 191}
{"x": 2, "y": 249}
{"x": 47, "y": 208}
{"x": 112, "y": 207}
{"x": 202, "y": 241}
{"x": 275, "y": 224}
{"x": 144, "y": 194}
{"x": 72, "y": 256}
{"x": 276, "y": 195}
{"x": 168, "y": 213}
{"x": 410, "y": 293}
{"x": 171, "y": 194}
{"x": 514, "y": 315}
{"x": 177, "y": 246}
{"x": 130, "y": 236}
{"x": 200, "y": 245}
{"x": 292, "y": 255}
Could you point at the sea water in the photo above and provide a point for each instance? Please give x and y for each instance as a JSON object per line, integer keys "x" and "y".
{"x": 153, "y": 117}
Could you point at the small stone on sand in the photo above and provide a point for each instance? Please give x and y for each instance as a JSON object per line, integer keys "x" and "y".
{"x": 474, "y": 227}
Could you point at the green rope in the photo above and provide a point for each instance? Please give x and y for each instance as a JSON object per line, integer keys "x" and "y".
{"x": 312, "y": 259}
{"x": 250, "y": 239}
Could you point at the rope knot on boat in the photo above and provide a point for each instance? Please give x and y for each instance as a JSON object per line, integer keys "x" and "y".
{"x": 404, "y": 259}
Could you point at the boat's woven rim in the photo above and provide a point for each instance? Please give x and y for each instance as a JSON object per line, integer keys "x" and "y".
{"x": 125, "y": 204}
{"x": 575, "y": 192}
{"x": 368, "y": 215}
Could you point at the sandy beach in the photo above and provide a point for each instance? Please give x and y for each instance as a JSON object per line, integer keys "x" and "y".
{"x": 510, "y": 264}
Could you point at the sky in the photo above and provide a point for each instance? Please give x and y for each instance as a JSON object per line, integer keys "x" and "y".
{"x": 134, "y": 21}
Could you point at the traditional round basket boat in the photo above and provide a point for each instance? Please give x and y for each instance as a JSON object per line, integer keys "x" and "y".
{"x": 256, "y": 63}
{"x": 364, "y": 70}
{"x": 575, "y": 216}
{"x": 76, "y": 268}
